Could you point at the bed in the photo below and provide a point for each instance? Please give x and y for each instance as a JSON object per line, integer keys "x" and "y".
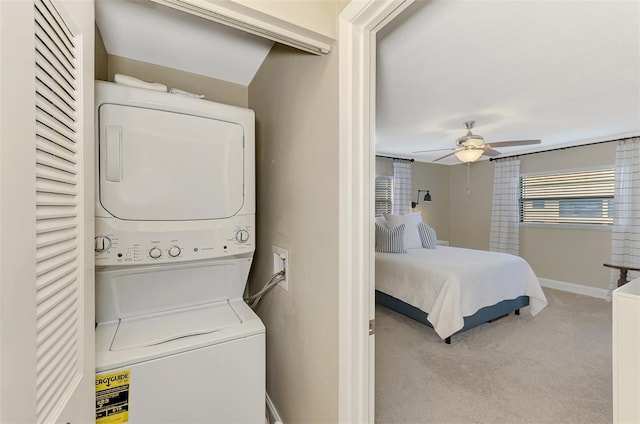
{"x": 454, "y": 289}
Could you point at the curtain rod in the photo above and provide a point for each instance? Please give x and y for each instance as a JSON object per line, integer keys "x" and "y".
{"x": 391, "y": 157}
{"x": 562, "y": 148}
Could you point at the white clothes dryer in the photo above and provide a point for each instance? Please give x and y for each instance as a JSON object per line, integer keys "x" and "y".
{"x": 175, "y": 178}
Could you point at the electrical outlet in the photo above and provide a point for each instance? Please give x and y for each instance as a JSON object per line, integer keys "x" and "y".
{"x": 281, "y": 262}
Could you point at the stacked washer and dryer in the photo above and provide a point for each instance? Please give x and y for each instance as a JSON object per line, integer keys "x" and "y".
{"x": 175, "y": 231}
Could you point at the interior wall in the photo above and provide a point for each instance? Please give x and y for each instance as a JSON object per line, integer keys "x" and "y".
{"x": 435, "y": 178}
{"x": 432, "y": 177}
{"x": 295, "y": 96}
{"x": 562, "y": 253}
{"x": 100, "y": 58}
{"x": 470, "y": 196}
{"x": 316, "y": 15}
{"x": 574, "y": 255}
{"x": 213, "y": 89}
{"x": 106, "y": 66}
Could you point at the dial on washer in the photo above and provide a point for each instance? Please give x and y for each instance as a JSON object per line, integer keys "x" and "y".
{"x": 155, "y": 253}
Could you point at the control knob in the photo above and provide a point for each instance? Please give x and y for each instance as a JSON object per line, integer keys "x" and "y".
{"x": 174, "y": 251}
{"x": 242, "y": 236}
{"x": 155, "y": 253}
{"x": 102, "y": 243}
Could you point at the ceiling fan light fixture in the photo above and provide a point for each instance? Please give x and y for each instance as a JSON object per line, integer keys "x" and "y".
{"x": 470, "y": 140}
{"x": 468, "y": 155}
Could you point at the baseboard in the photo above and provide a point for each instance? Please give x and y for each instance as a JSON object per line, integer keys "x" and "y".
{"x": 272, "y": 413}
{"x": 574, "y": 288}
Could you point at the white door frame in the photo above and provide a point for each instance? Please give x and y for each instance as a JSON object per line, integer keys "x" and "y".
{"x": 358, "y": 25}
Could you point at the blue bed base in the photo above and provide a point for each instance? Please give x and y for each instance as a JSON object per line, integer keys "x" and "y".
{"x": 484, "y": 315}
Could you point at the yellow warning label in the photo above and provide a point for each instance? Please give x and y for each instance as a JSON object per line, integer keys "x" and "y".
{"x": 112, "y": 397}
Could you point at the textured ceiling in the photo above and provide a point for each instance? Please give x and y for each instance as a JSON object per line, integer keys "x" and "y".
{"x": 565, "y": 72}
{"x": 156, "y": 34}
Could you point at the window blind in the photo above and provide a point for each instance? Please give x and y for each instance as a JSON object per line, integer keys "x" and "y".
{"x": 384, "y": 195}
{"x": 584, "y": 197}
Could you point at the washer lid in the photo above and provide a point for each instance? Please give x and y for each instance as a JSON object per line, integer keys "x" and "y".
{"x": 154, "y": 329}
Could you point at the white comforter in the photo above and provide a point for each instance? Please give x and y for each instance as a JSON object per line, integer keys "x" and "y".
{"x": 450, "y": 283}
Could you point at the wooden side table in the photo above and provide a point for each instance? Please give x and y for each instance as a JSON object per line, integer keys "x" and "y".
{"x": 623, "y": 272}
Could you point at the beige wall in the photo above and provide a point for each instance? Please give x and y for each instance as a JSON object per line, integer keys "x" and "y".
{"x": 316, "y": 15}
{"x": 435, "y": 178}
{"x": 213, "y": 89}
{"x": 470, "y": 195}
{"x": 216, "y": 90}
{"x": 295, "y": 97}
{"x": 432, "y": 177}
{"x": 101, "y": 57}
{"x": 562, "y": 253}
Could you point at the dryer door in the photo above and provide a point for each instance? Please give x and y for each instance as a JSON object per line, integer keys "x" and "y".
{"x": 161, "y": 166}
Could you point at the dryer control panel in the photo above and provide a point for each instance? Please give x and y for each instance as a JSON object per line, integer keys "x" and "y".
{"x": 115, "y": 245}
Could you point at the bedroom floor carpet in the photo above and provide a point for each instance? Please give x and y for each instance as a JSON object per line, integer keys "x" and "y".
{"x": 552, "y": 368}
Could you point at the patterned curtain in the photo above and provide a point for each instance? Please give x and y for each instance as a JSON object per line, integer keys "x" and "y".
{"x": 625, "y": 236}
{"x": 505, "y": 231}
{"x": 401, "y": 187}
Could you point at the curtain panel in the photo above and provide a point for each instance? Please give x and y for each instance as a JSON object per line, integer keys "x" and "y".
{"x": 625, "y": 235}
{"x": 505, "y": 231}
{"x": 401, "y": 187}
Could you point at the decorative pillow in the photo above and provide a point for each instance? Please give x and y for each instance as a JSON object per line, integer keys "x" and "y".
{"x": 389, "y": 240}
{"x": 381, "y": 221}
{"x": 410, "y": 221}
{"x": 427, "y": 236}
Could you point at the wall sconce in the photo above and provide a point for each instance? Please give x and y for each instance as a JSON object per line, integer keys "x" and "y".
{"x": 427, "y": 198}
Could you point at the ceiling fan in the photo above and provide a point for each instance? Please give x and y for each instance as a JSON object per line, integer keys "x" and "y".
{"x": 471, "y": 146}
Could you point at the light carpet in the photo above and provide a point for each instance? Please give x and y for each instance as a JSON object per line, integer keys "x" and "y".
{"x": 551, "y": 368}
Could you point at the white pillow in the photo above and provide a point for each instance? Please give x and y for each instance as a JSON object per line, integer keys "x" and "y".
{"x": 381, "y": 221}
{"x": 411, "y": 222}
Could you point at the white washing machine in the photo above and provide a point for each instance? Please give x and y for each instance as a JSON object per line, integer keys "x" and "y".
{"x": 191, "y": 349}
{"x": 175, "y": 216}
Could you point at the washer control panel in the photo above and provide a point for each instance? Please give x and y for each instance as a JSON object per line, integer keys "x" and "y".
{"x": 116, "y": 247}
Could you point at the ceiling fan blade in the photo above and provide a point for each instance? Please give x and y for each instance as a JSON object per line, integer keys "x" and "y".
{"x": 491, "y": 152}
{"x": 445, "y": 156}
{"x": 434, "y": 150}
{"x": 512, "y": 143}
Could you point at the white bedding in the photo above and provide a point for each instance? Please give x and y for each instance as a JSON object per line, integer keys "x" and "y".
{"x": 450, "y": 283}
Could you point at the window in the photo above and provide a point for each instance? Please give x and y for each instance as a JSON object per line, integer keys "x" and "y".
{"x": 584, "y": 197}
{"x": 384, "y": 195}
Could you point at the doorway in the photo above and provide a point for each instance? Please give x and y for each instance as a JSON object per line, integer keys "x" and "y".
{"x": 359, "y": 23}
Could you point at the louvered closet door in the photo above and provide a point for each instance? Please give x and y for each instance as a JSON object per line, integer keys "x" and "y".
{"x": 46, "y": 211}
{"x": 58, "y": 290}
{"x": 61, "y": 260}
